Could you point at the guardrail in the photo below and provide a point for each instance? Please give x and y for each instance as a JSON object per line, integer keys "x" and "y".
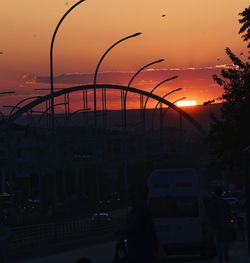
{"x": 43, "y": 235}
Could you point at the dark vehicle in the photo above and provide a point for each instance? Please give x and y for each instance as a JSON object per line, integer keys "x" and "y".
{"x": 232, "y": 202}
{"x": 101, "y": 218}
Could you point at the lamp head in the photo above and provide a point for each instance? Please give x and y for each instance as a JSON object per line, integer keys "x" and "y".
{"x": 136, "y": 34}
{"x": 160, "y": 60}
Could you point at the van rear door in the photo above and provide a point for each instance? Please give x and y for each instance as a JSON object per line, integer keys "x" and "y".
{"x": 176, "y": 219}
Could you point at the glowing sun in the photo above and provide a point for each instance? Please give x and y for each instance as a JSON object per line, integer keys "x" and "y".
{"x": 185, "y": 103}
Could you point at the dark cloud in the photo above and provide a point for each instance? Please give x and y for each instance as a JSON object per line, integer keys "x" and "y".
{"x": 149, "y": 76}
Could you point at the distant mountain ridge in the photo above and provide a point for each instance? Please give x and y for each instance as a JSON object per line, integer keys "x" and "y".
{"x": 171, "y": 119}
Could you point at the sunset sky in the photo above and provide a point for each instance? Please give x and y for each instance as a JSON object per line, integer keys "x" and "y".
{"x": 191, "y": 35}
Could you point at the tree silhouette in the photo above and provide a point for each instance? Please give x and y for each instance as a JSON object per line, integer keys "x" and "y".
{"x": 229, "y": 135}
{"x": 245, "y": 28}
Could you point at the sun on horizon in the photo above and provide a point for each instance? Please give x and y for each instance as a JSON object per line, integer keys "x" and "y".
{"x": 186, "y": 103}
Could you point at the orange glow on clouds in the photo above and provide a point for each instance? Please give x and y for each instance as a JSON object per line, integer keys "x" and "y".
{"x": 185, "y": 103}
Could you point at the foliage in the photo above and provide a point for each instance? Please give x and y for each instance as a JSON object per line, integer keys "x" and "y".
{"x": 230, "y": 134}
{"x": 245, "y": 28}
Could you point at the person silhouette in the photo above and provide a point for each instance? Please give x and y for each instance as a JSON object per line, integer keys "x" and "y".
{"x": 220, "y": 219}
{"x": 140, "y": 231}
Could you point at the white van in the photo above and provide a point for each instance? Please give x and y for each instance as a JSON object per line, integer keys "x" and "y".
{"x": 177, "y": 202}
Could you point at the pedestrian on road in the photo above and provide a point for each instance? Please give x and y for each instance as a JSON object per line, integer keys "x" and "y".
{"x": 240, "y": 223}
{"x": 220, "y": 213}
{"x": 140, "y": 231}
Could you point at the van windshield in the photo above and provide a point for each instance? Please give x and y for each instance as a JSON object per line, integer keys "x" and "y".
{"x": 174, "y": 206}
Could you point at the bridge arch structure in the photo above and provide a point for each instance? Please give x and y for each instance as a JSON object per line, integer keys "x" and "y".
{"x": 86, "y": 156}
{"x": 85, "y": 88}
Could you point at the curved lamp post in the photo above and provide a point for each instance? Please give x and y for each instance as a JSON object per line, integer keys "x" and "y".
{"x": 7, "y": 92}
{"x": 96, "y": 71}
{"x": 97, "y": 68}
{"x": 14, "y": 107}
{"x": 164, "y": 113}
{"x": 146, "y": 101}
{"x": 84, "y": 110}
{"x": 124, "y": 97}
{"x": 20, "y": 102}
{"x": 141, "y": 69}
{"x": 159, "y": 84}
{"x": 51, "y": 60}
{"x": 172, "y": 91}
{"x": 47, "y": 109}
{"x": 104, "y": 96}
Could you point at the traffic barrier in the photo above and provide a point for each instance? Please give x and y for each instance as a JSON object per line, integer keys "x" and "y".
{"x": 43, "y": 235}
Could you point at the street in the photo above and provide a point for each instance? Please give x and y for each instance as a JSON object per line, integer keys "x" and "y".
{"x": 101, "y": 253}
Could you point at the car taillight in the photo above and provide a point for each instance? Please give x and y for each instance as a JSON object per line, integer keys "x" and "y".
{"x": 232, "y": 220}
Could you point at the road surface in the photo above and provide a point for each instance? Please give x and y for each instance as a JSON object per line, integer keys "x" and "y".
{"x": 101, "y": 253}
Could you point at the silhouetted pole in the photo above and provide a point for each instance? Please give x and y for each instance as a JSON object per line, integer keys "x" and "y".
{"x": 165, "y": 112}
{"x": 7, "y": 92}
{"x": 146, "y": 101}
{"x": 159, "y": 84}
{"x": 53, "y": 152}
{"x": 97, "y": 68}
{"x": 51, "y": 61}
{"x": 172, "y": 91}
{"x": 124, "y": 97}
{"x": 20, "y": 102}
{"x": 103, "y": 103}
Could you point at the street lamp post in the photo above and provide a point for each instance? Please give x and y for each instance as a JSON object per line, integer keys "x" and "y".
{"x": 96, "y": 71}
{"x": 17, "y": 105}
{"x": 165, "y": 112}
{"x": 52, "y": 88}
{"x": 172, "y": 91}
{"x": 124, "y": 94}
{"x": 51, "y": 60}
{"x": 7, "y": 92}
{"x": 159, "y": 84}
{"x": 124, "y": 120}
{"x": 146, "y": 101}
{"x": 104, "y": 107}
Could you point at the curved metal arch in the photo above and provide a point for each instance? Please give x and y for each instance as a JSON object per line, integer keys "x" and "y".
{"x": 21, "y": 101}
{"x": 165, "y": 112}
{"x": 34, "y": 103}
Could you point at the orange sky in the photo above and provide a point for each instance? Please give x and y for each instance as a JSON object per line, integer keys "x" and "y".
{"x": 192, "y": 33}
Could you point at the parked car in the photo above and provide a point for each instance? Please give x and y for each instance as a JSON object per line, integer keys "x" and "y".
{"x": 101, "y": 218}
{"x": 232, "y": 201}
